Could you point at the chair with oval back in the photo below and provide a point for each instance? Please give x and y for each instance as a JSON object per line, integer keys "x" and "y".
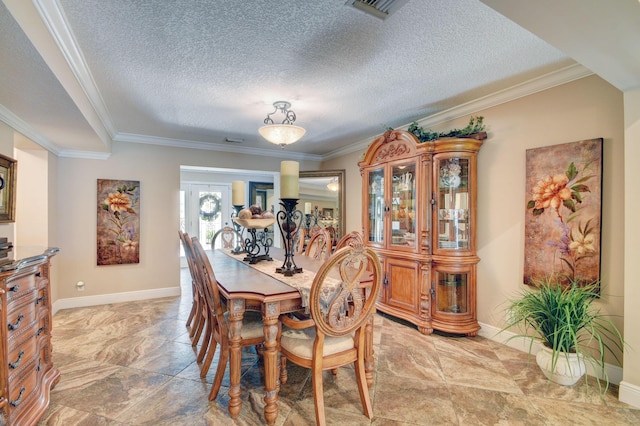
{"x": 228, "y": 236}
{"x": 299, "y": 241}
{"x": 334, "y": 336}
{"x": 319, "y": 246}
{"x": 352, "y": 237}
{"x": 252, "y": 332}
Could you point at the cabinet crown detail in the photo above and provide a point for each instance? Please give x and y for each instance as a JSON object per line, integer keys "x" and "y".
{"x": 419, "y": 215}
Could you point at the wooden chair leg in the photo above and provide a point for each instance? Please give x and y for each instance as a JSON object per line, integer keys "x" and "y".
{"x": 363, "y": 388}
{"x": 197, "y": 321}
{"x": 318, "y": 394}
{"x": 222, "y": 366}
{"x": 205, "y": 342}
{"x": 210, "y": 354}
{"x": 284, "y": 376}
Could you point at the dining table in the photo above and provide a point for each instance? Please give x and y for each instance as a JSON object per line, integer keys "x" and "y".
{"x": 259, "y": 288}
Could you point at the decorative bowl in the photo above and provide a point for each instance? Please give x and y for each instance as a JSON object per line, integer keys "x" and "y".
{"x": 255, "y": 223}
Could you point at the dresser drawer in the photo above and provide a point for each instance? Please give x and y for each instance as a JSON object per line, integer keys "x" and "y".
{"x": 21, "y": 322}
{"x": 20, "y": 286}
{"x": 23, "y": 388}
{"x": 22, "y": 354}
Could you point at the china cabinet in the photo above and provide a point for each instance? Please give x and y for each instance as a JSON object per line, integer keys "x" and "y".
{"x": 27, "y": 373}
{"x": 419, "y": 215}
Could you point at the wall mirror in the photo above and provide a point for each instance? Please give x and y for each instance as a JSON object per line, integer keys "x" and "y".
{"x": 261, "y": 193}
{"x": 322, "y": 199}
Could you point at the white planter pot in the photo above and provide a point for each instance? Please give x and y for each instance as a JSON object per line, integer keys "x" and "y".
{"x": 568, "y": 370}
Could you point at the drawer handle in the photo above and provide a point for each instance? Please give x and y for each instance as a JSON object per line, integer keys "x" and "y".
{"x": 15, "y": 325}
{"x": 15, "y": 364}
{"x": 40, "y": 330}
{"x": 19, "y": 400}
{"x": 40, "y": 299}
{"x": 14, "y": 289}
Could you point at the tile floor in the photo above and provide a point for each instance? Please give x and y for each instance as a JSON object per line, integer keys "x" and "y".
{"x": 133, "y": 364}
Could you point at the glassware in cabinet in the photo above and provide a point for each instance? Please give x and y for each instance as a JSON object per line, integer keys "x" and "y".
{"x": 403, "y": 205}
{"x": 377, "y": 207}
{"x": 453, "y": 202}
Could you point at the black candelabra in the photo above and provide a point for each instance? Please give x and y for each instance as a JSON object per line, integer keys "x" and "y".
{"x": 238, "y": 249}
{"x": 289, "y": 220}
{"x": 255, "y": 243}
{"x": 312, "y": 219}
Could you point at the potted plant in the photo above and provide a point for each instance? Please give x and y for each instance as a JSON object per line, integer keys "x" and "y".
{"x": 572, "y": 330}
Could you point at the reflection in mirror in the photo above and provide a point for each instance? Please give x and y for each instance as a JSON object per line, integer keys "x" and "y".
{"x": 322, "y": 201}
{"x": 261, "y": 193}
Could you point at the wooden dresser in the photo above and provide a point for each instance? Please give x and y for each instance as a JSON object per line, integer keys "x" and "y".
{"x": 27, "y": 373}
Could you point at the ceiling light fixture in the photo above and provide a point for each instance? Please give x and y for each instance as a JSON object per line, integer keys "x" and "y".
{"x": 333, "y": 185}
{"x": 285, "y": 133}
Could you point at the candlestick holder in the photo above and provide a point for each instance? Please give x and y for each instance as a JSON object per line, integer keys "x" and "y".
{"x": 239, "y": 248}
{"x": 289, "y": 220}
{"x": 258, "y": 243}
{"x": 312, "y": 219}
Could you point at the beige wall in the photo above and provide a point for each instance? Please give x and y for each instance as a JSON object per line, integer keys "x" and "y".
{"x": 158, "y": 170}
{"x": 585, "y": 109}
{"x": 353, "y": 188}
{"x": 630, "y": 388}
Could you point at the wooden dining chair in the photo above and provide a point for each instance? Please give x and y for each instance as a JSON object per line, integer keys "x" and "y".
{"x": 252, "y": 332}
{"x": 228, "y": 237}
{"x": 299, "y": 240}
{"x": 334, "y": 336}
{"x": 352, "y": 237}
{"x": 319, "y": 246}
{"x": 197, "y": 315}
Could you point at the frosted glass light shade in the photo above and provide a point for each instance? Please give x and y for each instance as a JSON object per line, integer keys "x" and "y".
{"x": 282, "y": 134}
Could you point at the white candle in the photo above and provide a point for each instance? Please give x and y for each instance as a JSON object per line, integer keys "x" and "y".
{"x": 289, "y": 184}
{"x": 237, "y": 192}
{"x": 307, "y": 208}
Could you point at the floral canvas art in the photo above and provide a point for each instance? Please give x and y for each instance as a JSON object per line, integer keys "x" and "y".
{"x": 118, "y": 230}
{"x": 563, "y": 212}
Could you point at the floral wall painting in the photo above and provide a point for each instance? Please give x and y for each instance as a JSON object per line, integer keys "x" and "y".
{"x": 118, "y": 230}
{"x": 563, "y": 212}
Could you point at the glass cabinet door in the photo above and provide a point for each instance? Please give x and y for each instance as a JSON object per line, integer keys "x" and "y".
{"x": 453, "y": 200}
{"x": 451, "y": 291}
{"x": 403, "y": 205}
{"x": 376, "y": 206}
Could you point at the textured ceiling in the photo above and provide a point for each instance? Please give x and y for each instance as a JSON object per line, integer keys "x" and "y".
{"x": 195, "y": 72}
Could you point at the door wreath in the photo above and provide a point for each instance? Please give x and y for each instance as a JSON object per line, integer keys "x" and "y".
{"x": 209, "y": 206}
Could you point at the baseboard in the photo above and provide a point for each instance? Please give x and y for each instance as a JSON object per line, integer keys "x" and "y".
{"x": 523, "y": 344}
{"x": 105, "y": 299}
{"x": 629, "y": 394}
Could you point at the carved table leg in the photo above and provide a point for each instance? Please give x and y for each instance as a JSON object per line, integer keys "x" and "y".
{"x": 369, "y": 362}
{"x": 270, "y": 318}
{"x": 236, "y": 313}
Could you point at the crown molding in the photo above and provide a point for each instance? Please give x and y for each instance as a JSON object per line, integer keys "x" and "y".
{"x": 544, "y": 82}
{"x": 56, "y": 23}
{"x": 21, "y": 126}
{"x": 211, "y": 146}
{"x": 87, "y": 155}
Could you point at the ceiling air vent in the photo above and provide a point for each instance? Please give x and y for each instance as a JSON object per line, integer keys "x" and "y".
{"x": 378, "y": 8}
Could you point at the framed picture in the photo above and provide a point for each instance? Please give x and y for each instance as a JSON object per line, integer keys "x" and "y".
{"x": 327, "y": 213}
{"x": 7, "y": 189}
{"x": 118, "y": 230}
{"x": 563, "y": 212}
